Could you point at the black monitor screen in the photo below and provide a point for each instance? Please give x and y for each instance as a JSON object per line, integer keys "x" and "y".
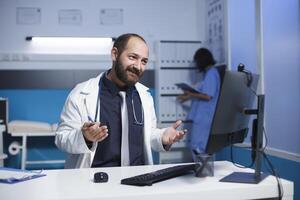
{"x": 230, "y": 123}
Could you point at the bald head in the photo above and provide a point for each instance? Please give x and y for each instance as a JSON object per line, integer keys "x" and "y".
{"x": 122, "y": 41}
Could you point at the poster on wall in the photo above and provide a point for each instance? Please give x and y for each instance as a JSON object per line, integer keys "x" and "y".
{"x": 28, "y": 16}
{"x": 216, "y": 29}
{"x": 111, "y": 16}
{"x": 69, "y": 17}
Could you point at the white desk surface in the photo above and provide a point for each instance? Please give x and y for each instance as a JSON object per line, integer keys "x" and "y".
{"x": 78, "y": 184}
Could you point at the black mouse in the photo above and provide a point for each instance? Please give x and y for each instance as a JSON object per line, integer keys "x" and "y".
{"x": 100, "y": 177}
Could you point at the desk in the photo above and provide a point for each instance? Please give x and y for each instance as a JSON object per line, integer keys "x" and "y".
{"x": 78, "y": 184}
{"x": 24, "y": 136}
{"x": 2, "y": 155}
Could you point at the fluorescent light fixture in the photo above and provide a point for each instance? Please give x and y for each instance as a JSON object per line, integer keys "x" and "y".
{"x": 69, "y": 39}
{"x": 75, "y": 45}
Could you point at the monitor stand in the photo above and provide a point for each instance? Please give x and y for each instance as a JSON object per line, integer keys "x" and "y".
{"x": 257, "y": 149}
{"x": 243, "y": 177}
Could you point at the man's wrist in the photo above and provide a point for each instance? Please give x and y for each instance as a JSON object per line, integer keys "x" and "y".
{"x": 88, "y": 143}
{"x": 167, "y": 147}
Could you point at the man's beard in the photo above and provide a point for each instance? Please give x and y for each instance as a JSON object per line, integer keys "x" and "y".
{"x": 121, "y": 73}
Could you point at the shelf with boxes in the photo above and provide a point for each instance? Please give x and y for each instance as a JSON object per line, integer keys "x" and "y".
{"x": 174, "y": 64}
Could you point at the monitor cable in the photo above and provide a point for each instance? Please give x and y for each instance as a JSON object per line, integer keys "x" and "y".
{"x": 271, "y": 168}
{"x": 235, "y": 163}
{"x": 274, "y": 173}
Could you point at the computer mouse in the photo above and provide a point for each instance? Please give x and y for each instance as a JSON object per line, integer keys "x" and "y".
{"x": 100, "y": 177}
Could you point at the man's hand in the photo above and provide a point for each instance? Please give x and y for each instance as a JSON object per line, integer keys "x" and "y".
{"x": 171, "y": 135}
{"x": 94, "y": 132}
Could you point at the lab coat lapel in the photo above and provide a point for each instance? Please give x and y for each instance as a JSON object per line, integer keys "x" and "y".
{"x": 146, "y": 104}
{"x": 90, "y": 93}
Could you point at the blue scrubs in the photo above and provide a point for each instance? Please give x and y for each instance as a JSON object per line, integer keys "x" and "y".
{"x": 202, "y": 111}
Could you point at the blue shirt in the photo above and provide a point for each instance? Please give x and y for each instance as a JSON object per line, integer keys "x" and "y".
{"x": 202, "y": 111}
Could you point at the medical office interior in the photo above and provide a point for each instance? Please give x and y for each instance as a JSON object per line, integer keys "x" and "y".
{"x": 35, "y": 79}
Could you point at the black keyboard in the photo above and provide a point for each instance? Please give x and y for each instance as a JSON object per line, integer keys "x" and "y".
{"x": 159, "y": 175}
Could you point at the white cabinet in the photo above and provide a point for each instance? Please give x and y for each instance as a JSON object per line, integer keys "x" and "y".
{"x": 174, "y": 65}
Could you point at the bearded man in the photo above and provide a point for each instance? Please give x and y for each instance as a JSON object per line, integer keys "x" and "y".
{"x": 110, "y": 120}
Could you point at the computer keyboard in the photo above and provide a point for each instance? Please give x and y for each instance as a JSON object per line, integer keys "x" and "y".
{"x": 159, "y": 175}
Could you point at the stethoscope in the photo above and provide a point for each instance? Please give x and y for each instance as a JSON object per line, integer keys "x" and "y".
{"x": 136, "y": 121}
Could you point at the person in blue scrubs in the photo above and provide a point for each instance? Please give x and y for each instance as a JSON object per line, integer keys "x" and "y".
{"x": 204, "y": 101}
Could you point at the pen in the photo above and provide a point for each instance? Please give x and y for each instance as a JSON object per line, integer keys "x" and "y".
{"x": 90, "y": 119}
{"x": 87, "y": 112}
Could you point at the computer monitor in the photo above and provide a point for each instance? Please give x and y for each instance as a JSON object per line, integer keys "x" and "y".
{"x": 230, "y": 123}
{"x": 232, "y": 116}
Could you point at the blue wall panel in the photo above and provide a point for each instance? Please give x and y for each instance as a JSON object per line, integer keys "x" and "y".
{"x": 36, "y": 105}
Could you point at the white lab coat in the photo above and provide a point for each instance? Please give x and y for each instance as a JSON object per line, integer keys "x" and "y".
{"x": 69, "y": 137}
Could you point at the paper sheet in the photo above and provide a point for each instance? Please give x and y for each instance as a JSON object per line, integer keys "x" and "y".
{"x": 14, "y": 175}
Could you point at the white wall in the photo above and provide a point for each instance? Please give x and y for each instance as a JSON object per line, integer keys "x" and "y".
{"x": 241, "y": 33}
{"x": 241, "y": 38}
{"x": 281, "y": 64}
{"x": 155, "y": 20}
{"x": 281, "y": 24}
